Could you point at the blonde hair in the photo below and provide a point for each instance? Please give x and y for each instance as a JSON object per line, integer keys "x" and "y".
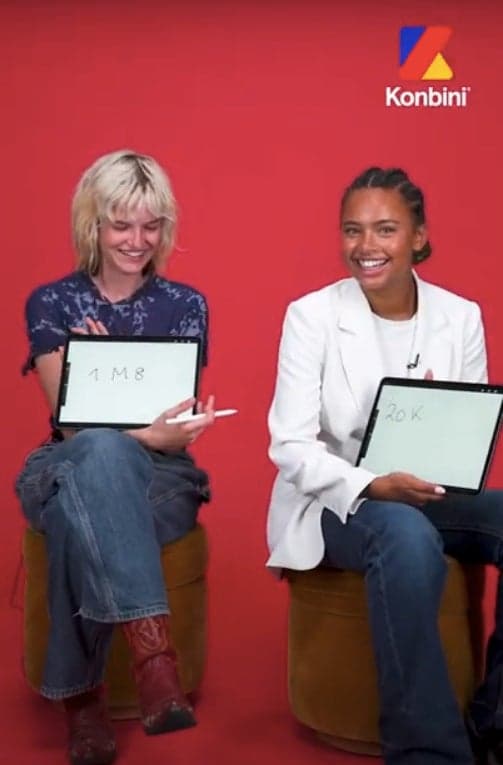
{"x": 125, "y": 180}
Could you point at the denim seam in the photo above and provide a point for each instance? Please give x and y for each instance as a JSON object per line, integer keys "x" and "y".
{"x": 89, "y": 536}
{"x": 168, "y": 496}
{"x": 127, "y": 615}
{"x": 163, "y": 496}
{"x": 389, "y": 628}
{"x": 56, "y": 694}
{"x": 372, "y": 538}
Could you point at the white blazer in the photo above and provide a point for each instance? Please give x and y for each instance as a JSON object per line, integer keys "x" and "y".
{"x": 329, "y": 369}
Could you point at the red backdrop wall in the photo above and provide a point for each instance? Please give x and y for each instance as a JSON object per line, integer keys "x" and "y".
{"x": 261, "y": 113}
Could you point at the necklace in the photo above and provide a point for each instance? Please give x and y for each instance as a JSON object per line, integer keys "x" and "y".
{"x": 413, "y": 361}
{"x": 397, "y": 341}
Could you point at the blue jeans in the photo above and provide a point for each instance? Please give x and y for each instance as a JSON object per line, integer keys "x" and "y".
{"x": 400, "y": 549}
{"x": 105, "y": 505}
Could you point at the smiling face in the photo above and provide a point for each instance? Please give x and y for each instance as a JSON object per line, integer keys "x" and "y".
{"x": 379, "y": 235}
{"x": 128, "y": 242}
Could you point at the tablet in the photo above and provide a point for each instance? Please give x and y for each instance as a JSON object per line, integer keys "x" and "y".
{"x": 125, "y": 382}
{"x": 442, "y": 432}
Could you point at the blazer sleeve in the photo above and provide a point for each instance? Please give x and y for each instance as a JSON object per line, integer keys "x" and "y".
{"x": 474, "y": 367}
{"x": 294, "y": 418}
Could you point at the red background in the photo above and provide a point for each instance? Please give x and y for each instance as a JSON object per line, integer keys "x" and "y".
{"x": 261, "y": 113}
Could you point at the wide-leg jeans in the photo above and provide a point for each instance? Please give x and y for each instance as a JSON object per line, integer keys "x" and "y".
{"x": 400, "y": 549}
{"x": 106, "y": 505}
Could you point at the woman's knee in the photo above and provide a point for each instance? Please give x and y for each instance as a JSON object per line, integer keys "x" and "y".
{"x": 100, "y": 437}
{"x": 409, "y": 542}
{"x": 103, "y": 446}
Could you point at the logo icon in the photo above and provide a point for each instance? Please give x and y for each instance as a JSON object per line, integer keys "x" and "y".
{"x": 420, "y": 53}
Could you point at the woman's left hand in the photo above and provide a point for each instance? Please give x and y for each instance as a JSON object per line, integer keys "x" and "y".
{"x": 173, "y": 437}
{"x": 93, "y": 328}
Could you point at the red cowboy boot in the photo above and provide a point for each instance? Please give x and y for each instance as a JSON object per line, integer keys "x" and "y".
{"x": 91, "y": 739}
{"x": 163, "y": 704}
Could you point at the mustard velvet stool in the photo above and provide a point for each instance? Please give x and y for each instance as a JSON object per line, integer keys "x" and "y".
{"x": 332, "y": 680}
{"x": 184, "y": 565}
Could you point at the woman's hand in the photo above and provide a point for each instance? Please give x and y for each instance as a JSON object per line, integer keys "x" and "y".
{"x": 93, "y": 328}
{"x": 404, "y": 487}
{"x": 175, "y": 437}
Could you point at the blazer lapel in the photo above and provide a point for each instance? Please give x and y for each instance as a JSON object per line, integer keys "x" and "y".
{"x": 433, "y": 337}
{"x": 360, "y": 353}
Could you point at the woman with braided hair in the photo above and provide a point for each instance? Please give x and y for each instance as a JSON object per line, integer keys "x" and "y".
{"x": 337, "y": 344}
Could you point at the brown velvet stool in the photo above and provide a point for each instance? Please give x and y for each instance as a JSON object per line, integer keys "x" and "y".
{"x": 331, "y": 672}
{"x": 184, "y": 565}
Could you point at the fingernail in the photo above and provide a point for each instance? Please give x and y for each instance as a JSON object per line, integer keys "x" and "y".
{"x": 439, "y": 490}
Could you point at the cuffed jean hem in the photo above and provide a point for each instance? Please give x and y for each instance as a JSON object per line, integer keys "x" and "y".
{"x": 425, "y": 756}
{"x": 124, "y": 616}
{"x": 58, "y": 694}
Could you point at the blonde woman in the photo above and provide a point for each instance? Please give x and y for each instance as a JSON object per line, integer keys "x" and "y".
{"x": 106, "y": 500}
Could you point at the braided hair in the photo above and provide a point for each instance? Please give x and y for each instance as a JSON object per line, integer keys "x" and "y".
{"x": 394, "y": 178}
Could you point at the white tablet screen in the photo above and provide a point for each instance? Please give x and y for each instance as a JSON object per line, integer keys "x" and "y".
{"x": 127, "y": 381}
{"x": 440, "y": 435}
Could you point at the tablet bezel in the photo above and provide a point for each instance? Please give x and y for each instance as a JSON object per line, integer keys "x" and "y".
{"x": 76, "y": 338}
{"x": 443, "y": 385}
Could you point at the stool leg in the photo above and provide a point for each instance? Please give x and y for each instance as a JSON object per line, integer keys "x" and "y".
{"x": 163, "y": 704}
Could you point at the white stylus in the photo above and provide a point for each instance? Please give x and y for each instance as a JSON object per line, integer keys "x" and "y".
{"x": 192, "y": 417}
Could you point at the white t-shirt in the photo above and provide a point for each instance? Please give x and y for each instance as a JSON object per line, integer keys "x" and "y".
{"x": 396, "y": 341}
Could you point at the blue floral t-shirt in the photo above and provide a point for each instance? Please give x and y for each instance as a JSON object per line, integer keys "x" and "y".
{"x": 158, "y": 308}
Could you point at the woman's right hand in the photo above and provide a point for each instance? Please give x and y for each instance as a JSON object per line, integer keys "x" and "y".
{"x": 404, "y": 487}
{"x": 174, "y": 437}
{"x": 93, "y": 327}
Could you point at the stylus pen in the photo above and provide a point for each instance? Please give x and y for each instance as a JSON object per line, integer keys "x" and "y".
{"x": 192, "y": 417}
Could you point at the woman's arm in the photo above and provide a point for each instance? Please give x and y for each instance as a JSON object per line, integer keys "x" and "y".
{"x": 48, "y": 366}
{"x": 294, "y": 418}
{"x": 47, "y": 336}
{"x": 474, "y": 348}
{"x": 158, "y": 436}
{"x": 294, "y": 422}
